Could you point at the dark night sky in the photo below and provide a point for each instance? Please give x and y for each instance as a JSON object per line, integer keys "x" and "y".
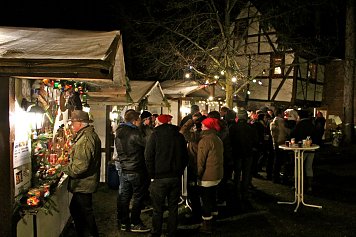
{"x": 79, "y": 14}
{"x": 75, "y": 14}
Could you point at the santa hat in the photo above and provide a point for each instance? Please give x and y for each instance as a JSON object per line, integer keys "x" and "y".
{"x": 164, "y": 118}
{"x": 212, "y": 123}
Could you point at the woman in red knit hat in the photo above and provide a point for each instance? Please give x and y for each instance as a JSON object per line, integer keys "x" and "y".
{"x": 210, "y": 170}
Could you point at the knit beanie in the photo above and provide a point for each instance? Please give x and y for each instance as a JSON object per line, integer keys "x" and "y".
{"x": 164, "y": 118}
{"x": 145, "y": 114}
{"x": 291, "y": 114}
{"x": 212, "y": 123}
{"x": 242, "y": 114}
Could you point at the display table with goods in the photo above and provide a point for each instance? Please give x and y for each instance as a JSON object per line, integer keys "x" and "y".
{"x": 299, "y": 150}
{"x": 43, "y": 207}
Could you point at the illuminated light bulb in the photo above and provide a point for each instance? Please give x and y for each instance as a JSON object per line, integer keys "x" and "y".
{"x": 211, "y": 98}
{"x": 254, "y": 80}
{"x": 187, "y": 75}
{"x": 248, "y": 92}
{"x": 260, "y": 82}
{"x": 86, "y": 107}
{"x": 234, "y": 79}
{"x": 216, "y": 77}
{"x": 114, "y": 115}
{"x": 222, "y": 72}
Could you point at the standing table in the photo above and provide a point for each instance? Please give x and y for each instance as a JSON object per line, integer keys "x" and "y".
{"x": 299, "y": 174}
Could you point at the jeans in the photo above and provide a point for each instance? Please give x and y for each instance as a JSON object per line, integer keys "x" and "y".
{"x": 308, "y": 165}
{"x": 242, "y": 177}
{"x": 81, "y": 211}
{"x": 118, "y": 208}
{"x": 132, "y": 186}
{"x": 161, "y": 189}
{"x": 279, "y": 160}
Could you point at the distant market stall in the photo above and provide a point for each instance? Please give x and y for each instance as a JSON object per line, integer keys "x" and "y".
{"x": 51, "y": 71}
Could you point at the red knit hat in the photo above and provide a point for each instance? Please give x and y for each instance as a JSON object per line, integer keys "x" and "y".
{"x": 164, "y": 118}
{"x": 212, "y": 123}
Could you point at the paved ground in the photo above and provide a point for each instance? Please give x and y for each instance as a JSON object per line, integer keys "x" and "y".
{"x": 334, "y": 189}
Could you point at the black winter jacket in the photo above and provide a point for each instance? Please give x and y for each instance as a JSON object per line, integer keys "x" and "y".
{"x": 166, "y": 152}
{"x": 303, "y": 129}
{"x": 130, "y": 146}
{"x": 244, "y": 138}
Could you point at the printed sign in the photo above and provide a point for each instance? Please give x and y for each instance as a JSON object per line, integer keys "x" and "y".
{"x": 22, "y": 153}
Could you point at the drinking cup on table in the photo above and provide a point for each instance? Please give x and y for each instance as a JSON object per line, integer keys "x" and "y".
{"x": 300, "y": 144}
{"x": 287, "y": 143}
{"x": 304, "y": 143}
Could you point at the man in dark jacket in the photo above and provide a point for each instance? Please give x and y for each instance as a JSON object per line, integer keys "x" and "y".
{"x": 244, "y": 139}
{"x": 305, "y": 129}
{"x": 193, "y": 110}
{"x": 83, "y": 172}
{"x": 166, "y": 157}
{"x": 130, "y": 146}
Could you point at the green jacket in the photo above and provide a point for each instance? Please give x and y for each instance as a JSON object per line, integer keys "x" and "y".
{"x": 84, "y": 168}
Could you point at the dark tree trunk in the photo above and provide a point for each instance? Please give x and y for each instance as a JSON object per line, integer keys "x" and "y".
{"x": 349, "y": 72}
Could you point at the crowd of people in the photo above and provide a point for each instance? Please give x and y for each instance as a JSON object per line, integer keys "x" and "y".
{"x": 221, "y": 151}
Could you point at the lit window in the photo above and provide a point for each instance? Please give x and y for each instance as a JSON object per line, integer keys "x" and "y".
{"x": 277, "y": 63}
{"x": 312, "y": 71}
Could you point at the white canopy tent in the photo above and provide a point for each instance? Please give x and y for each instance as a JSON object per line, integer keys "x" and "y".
{"x": 175, "y": 89}
{"x": 150, "y": 90}
{"x": 136, "y": 92}
{"x": 36, "y": 53}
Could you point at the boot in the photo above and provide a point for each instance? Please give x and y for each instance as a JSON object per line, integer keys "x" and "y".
{"x": 309, "y": 184}
{"x": 207, "y": 227}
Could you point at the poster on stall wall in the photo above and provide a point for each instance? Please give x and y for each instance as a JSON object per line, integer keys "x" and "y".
{"x": 22, "y": 178}
{"x": 22, "y": 152}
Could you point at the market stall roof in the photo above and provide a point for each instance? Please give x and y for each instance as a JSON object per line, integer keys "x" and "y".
{"x": 150, "y": 90}
{"x": 136, "y": 92}
{"x": 174, "y": 89}
{"x": 63, "y": 54}
{"x": 177, "y": 89}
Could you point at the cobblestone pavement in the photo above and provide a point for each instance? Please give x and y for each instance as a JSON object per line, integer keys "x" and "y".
{"x": 334, "y": 189}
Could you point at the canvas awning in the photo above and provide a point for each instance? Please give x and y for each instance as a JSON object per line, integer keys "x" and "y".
{"x": 62, "y": 54}
{"x": 174, "y": 89}
{"x": 137, "y": 91}
{"x": 150, "y": 90}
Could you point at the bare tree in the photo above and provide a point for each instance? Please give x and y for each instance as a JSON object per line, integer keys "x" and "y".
{"x": 199, "y": 40}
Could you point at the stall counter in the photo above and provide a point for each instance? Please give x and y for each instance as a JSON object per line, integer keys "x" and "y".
{"x": 40, "y": 224}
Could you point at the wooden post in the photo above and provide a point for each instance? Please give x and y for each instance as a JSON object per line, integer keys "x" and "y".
{"x": 108, "y": 137}
{"x": 6, "y": 170}
{"x": 179, "y": 113}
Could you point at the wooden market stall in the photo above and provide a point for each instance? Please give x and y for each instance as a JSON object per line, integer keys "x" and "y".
{"x": 33, "y": 58}
{"x": 140, "y": 95}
